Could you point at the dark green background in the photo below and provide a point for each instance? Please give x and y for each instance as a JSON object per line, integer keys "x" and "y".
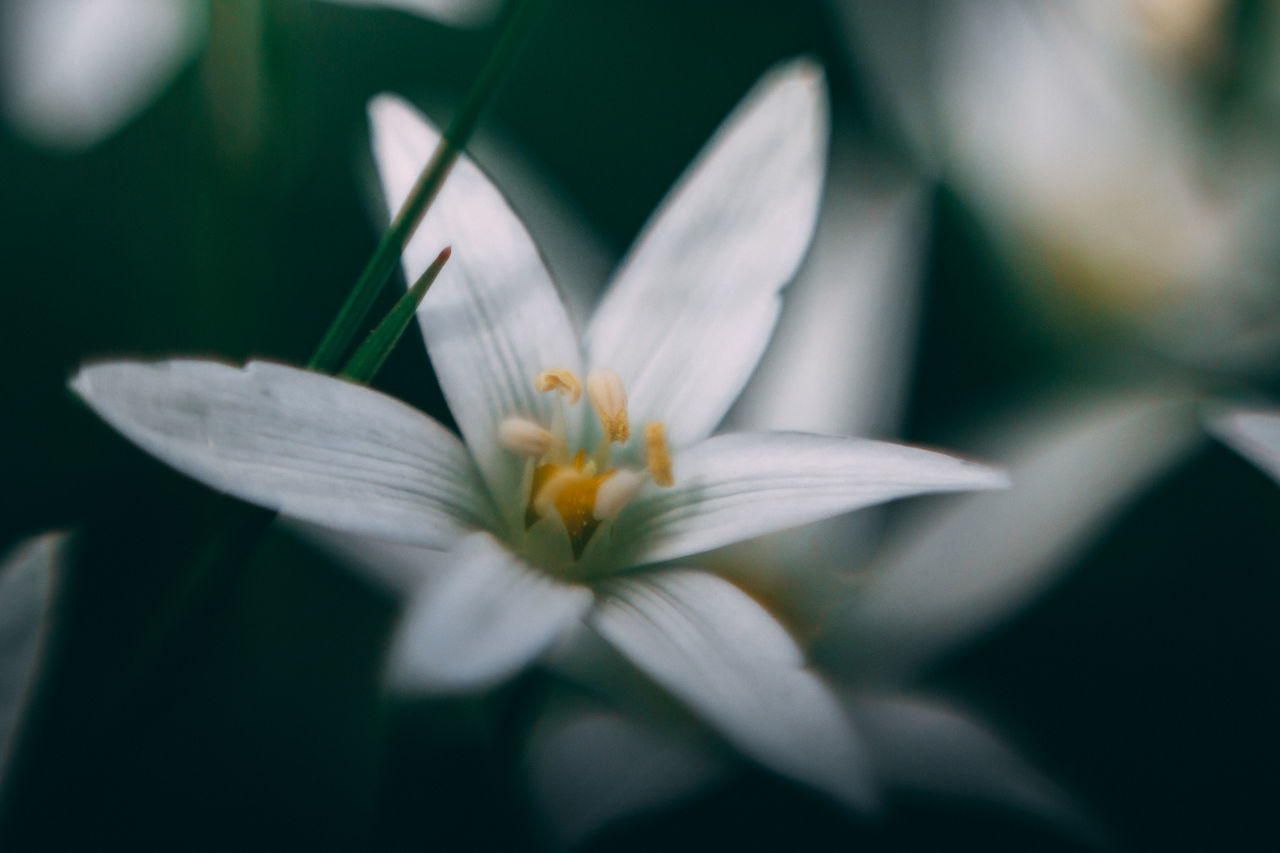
{"x": 1146, "y": 683}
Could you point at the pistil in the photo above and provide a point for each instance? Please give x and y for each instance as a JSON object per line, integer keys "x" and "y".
{"x": 583, "y": 492}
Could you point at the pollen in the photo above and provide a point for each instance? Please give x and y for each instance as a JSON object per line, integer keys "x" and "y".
{"x": 659, "y": 455}
{"x": 563, "y": 381}
{"x": 609, "y": 399}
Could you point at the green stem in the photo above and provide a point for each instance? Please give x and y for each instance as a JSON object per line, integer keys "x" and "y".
{"x": 375, "y": 275}
{"x": 364, "y": 365}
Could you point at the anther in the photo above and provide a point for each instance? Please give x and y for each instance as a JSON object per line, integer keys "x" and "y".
{"x": 609, "y": 399}
{"x": 557, "y": 379}
{"x": 616, "y": 492}
{"x": 524, "y": 437}
{"x": 659, "y": 455}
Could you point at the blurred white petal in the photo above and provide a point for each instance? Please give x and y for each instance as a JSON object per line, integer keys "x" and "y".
{"x": 459, "y": 13}
{"x": 837, "y": 363}
{"x": 692, "y": 307}
{"x": 493, "y": 319}
{"x": 928, "y": 747}
{"x": 1255, "y": 435}
{"x": 486, "y": 617}
{"x": 949, "y": 577}
{"x": 1069, "y": 127}
{"x": 894, "y": 46}
{"x": 1095, "y": 177}
{"x": 577, "y": 254}
{"x": 739, "y": 485}
{"x": 26, "y": 579}
{"x": 721, "y": 653}
{"x": 590, "y": 766}
{"x": 302, "y": 443}
{"x": 76, "y": 70}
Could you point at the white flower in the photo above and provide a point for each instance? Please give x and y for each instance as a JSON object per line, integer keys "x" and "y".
{"x": 74, "y": 71}
{"x": 542, "y": 541}
{"x": 26, "y": 578}
{"x": 1255, "y": 434}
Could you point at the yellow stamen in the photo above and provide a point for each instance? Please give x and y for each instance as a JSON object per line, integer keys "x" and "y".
{"x": 524, "y": 437}
{"x": 616, "y": 492}
{"x": 578, "y": 489}
{"x": 557, "y": 379}
{"x": 659, "y": 455}
{"x": 609, "y": 399}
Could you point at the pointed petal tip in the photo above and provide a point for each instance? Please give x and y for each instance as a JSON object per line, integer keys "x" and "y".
{"x": 804, "y": 82}
{"x": 79, "y": 381}
{"x": 804, "y": 75}
{"x": 384, "y": 104}
{"x": 805, "y": 68}
{"x": 88, "y": 378}
{"x": 387, "y": 110}
{"x": 988, "y": 477}
{"x": 804, "y": 71}
{"x": 970, "y": 474}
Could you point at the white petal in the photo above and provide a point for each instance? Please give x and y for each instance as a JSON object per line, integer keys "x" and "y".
{"x": 695, "y": 302}
{"x": 1255, "y": 435}
{"x": 459, "y": 13}
{"x": 26, "y": 577}
{"x": 76, "y": 70}
{"x": 302, "y": 443}
{"x": 956, "y": 573}
{"x": 484, "y": 619}
{"x": 590, "y": 766}
{"x": 723, "y": 655}
{"x": 929, "y": 747}
{"x": 492, "y": 320}
{"x": 736, "y": 486}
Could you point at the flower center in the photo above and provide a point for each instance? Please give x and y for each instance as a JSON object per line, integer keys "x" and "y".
{"x": 582, "y": 491}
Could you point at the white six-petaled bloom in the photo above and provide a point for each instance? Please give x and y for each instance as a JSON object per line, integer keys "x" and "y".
{"x": 587, "y": 467}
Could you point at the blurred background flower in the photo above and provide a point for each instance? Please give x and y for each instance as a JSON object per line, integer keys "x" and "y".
{"x": 1142, "y": 682}
{"x": 27, "y": 577}
{"x": 1255, "y": 434}
{"x": 1095, "y": 144}
{"x": 75, "y": 71}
